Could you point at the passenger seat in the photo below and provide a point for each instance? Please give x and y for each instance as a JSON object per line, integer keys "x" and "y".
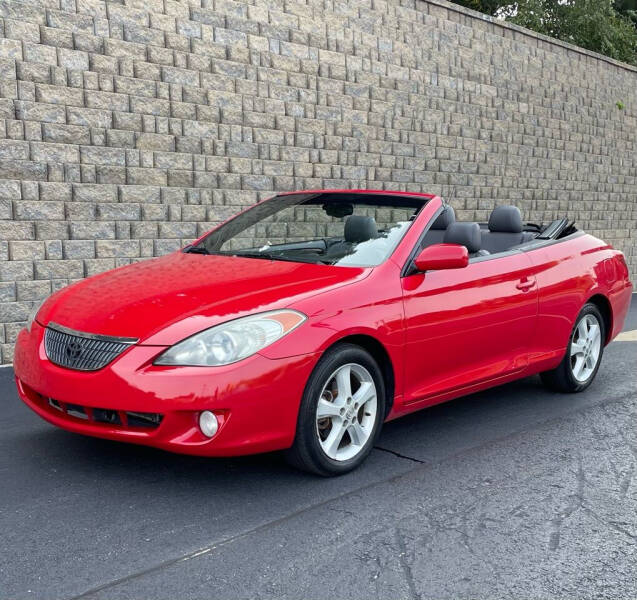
{"x": 468, "y": 235}
{"x": 358, "y": 229}
{"x": 505, "y": 230}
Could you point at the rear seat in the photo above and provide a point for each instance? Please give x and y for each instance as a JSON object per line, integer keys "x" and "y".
{"x": 436, "y": 232}
{"x": 505, "y": 230}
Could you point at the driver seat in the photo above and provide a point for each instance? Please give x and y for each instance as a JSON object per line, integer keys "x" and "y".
{"x": 436, "y": 232}
{"x": 467, "y": 235}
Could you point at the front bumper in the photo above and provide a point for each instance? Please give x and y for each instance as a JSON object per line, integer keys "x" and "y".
{"x": 256, "y": 400}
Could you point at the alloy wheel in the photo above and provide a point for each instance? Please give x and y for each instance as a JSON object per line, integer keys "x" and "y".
{"x": 586, "y": 345}
{"x": 346, "y": 412}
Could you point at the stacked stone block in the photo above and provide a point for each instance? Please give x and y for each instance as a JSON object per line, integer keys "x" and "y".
{"x": 129, "y": 128}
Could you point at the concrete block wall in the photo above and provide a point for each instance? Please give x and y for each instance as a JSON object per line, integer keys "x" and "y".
{"x": 129, "y": 128}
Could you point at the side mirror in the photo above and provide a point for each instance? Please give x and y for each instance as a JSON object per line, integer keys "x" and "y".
{"x": 442, "y": 256}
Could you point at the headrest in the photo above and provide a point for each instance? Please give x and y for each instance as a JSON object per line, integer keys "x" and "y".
{"x": 359, "y": 228}
{"x": 506, "y": 219}
{"x": 465, "y": 234}
{"x": 444, "y": 219}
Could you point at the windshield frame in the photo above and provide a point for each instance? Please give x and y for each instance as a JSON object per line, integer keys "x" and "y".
{"x": 382, "y": 198}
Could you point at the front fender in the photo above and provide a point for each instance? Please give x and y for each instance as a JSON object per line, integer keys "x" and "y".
{"x": 373, "y": 307}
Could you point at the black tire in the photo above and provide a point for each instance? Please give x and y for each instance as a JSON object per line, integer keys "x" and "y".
{"x": 562, "y": 378}
{"x": 306, "y": 453}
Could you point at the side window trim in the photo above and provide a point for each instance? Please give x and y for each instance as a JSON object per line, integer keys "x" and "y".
{"x": 535, "y": 244}
{"x": 502, "y": 254}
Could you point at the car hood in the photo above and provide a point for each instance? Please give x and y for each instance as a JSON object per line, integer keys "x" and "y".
{"x": 163, "y": 300}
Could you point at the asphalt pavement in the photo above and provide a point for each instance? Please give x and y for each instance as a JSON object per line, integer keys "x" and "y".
{"x": 515, "y": 492}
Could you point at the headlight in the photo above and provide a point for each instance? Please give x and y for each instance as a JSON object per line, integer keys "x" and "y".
{"x": 232, "y": 341}
{"x": 33, "y": 314}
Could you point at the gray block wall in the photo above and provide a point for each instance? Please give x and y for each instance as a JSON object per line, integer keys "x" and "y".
{"x": 129, "y": 128}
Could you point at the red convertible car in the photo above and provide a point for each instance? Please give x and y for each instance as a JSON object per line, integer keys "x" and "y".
{"x": 308, "y": 320}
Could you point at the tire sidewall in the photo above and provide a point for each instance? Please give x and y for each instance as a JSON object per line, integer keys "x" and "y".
{"x": 306, "y": 426}
{"x": 589, "y": 309}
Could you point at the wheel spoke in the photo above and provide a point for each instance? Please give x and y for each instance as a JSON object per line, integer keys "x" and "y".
{"x": 343, "y": 381}
{"x": 590, "y": 362}
{"x": 357, "y": 434}
{"x": 577, "y": 348}
{"x": 582, "y": 330}
{"x": 578, "y": 367}
{"x": 334, "y": 438}
{"x": 594, "y": 333}
{"x": 326, "y": 409}
{"x": 364, "y": 393}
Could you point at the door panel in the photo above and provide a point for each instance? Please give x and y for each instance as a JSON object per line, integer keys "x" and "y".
{"x": 465, "y": 326}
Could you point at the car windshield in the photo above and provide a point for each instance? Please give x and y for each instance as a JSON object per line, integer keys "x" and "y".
{"x": 348, "y": 229}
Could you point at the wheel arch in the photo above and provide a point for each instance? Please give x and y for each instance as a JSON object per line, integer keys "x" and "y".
{"x": 604, "y": 306}
{"x": 382, "y": 358}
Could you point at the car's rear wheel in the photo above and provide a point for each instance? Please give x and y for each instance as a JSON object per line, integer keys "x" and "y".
{"x": 583, "y": 354}
{"x": 341, "y": 412}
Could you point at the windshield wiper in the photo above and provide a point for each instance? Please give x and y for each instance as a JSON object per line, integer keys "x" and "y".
{"x": 272, "y": 256}
{"x": 197, "y": 250}
{"x": 266, "y": 255}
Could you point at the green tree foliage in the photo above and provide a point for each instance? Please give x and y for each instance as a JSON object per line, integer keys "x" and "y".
{"x": 604, "y": 26}
{"x": 627, "y": 8}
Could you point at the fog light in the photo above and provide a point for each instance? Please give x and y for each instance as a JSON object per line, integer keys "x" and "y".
{"x": 208, "y": 423}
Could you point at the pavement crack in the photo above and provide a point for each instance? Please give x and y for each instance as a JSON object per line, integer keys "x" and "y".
{"x": 616, "y": 526}
{"x": 406, "y": 567}
{"x": 575, "y": 501}
{"x": 404, "y": 456}
{"x": 626, "y": 481}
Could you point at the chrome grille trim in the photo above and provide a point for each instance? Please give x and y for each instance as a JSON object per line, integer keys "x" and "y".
{"x": 82, "y": 351}
{"x": 91, "y": 336}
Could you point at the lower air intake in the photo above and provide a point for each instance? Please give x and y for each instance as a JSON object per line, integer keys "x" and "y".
{"x": 120, "y": 418}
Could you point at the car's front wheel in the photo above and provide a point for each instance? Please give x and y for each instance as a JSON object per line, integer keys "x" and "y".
{"x": 341, "y": 413}
{"x": 583, "y": 354}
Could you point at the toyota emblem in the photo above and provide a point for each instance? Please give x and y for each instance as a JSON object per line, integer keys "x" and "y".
{"x": 73, "y": 350}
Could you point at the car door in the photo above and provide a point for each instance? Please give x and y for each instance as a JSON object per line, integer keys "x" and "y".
{"x": 467, "y": 326}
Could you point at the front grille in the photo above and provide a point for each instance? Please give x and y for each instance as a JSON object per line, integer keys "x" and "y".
{"x": 82, "y": 351}
{"x": 120, "y": 418}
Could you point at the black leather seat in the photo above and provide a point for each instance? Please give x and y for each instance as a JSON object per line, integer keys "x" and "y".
{"x": 358, "y": 228}
{"x": 468, "y": 235}
{"x": 436, "y": 232}
{"x": 505, "y": 230}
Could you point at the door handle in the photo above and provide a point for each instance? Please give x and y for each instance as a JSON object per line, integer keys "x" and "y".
{"x": 526, "y": 284}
